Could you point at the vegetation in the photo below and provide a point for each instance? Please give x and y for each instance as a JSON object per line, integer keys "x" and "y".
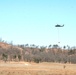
{"x": 19, "y": 68}
{"x": 33, "y": 53}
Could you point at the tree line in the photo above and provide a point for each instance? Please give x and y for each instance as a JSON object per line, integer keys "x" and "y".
{"x": 37, "y": 54}
{"x": 33, "y": 53}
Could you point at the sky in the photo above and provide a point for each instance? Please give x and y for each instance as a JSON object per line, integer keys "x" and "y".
{"x": 33, "y": 21}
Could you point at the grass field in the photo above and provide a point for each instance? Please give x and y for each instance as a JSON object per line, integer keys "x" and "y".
{"x": 22, "y": 68}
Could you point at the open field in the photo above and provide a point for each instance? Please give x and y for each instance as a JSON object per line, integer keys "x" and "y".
{"x": 37, "y": 69}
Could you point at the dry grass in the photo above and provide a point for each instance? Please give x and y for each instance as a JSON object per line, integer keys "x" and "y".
{"x": 37, "y": 69}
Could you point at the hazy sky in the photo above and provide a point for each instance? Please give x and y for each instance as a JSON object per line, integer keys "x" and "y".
{"x": 33, "y": 21}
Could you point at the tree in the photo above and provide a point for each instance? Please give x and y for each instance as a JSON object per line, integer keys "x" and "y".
{"x": 26, "y": 45}
{"x": 14, "y": 57}
{"x": 49, "y": 46}
{"x": 4, "y": 57}
{"x": 55, "y": 46}
{"x": 37, "y": 59}
{"x": 42, "y": 48}
{"x": 68, "y": 47}
{"x": 19, "y": 57}
{"x": 64, "y": 47}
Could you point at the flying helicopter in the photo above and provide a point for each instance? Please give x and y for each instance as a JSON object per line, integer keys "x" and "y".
{"x": 59, "y": 25}
{"x": 58, "y": 30}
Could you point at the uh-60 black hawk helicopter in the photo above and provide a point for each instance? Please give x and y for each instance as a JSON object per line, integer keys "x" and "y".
{"x": 58, "y": 30}
{"x": 59, "y": 25}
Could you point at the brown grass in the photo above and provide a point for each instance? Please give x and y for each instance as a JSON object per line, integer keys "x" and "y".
{"x": 37, "y": 69}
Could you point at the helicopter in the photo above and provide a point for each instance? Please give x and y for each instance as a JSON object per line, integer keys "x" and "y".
{"x": 59, "y": 25}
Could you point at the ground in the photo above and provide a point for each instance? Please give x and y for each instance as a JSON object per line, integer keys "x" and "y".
{"x": 25, "y": 68}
